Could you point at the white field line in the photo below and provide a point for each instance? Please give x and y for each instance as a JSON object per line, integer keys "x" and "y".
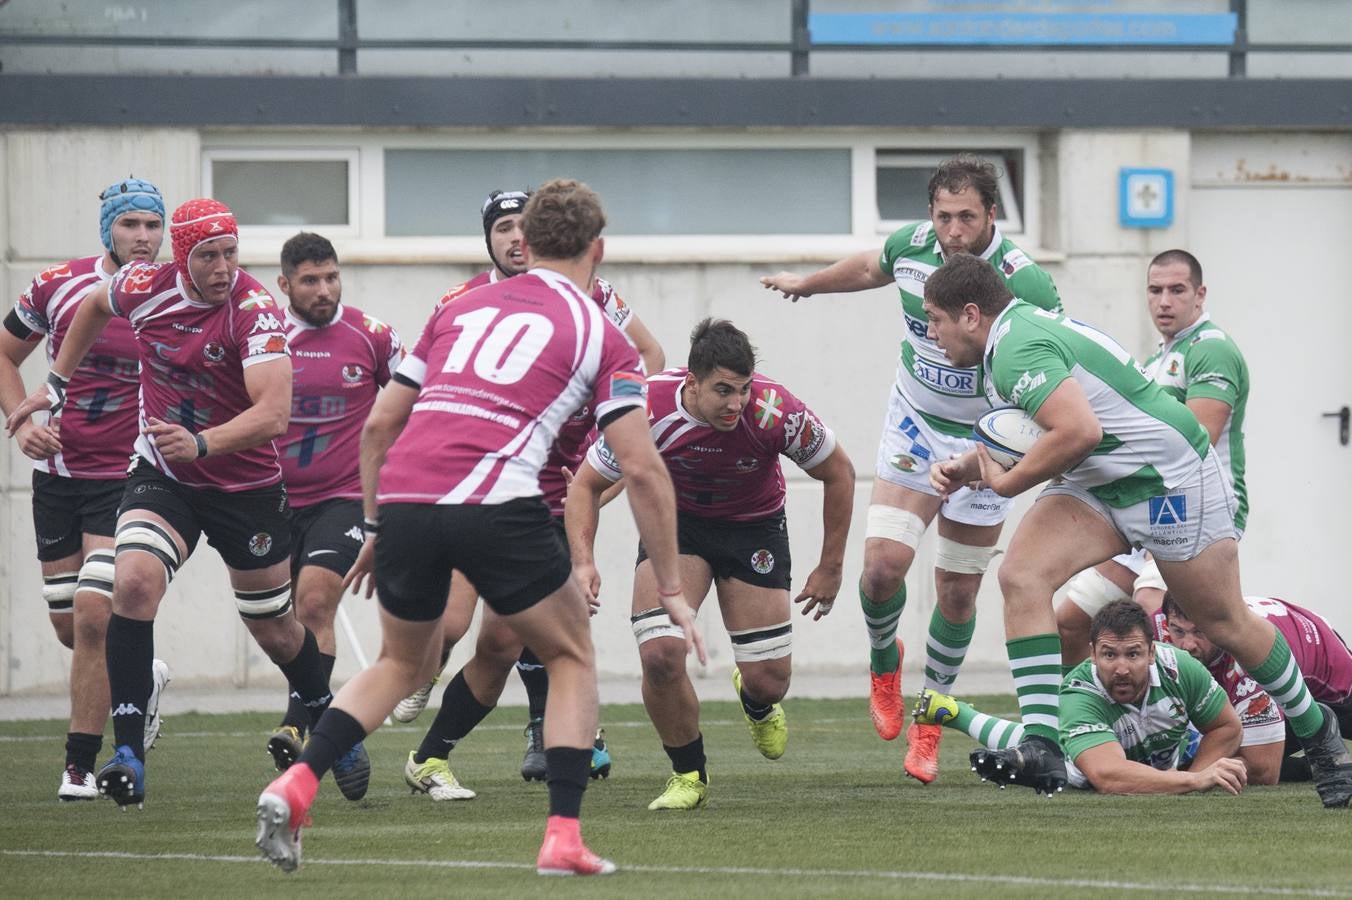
{"x": 860, "y": 874}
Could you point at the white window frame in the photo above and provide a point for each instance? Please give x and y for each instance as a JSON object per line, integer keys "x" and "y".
{"x": 364, "y": 236}
{"x": 293, "y": 153}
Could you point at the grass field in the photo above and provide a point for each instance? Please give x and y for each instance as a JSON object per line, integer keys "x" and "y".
{"x": 833, "y": 818}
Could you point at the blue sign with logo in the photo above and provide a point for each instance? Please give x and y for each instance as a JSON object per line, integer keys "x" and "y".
{"x": 1145, "y": 198}
{"x": 997, "y": 28}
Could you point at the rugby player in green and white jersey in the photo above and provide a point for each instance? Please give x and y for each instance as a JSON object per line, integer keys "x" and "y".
{"x": 1132, "y": 468}
{"x": 930, "y": 411}
{"x": 1125, "y": 715}
{"x": 1199, "y": 365}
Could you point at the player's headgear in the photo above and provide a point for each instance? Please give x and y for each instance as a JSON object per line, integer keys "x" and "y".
{"x": 497, "y": 205}
{"x": 122, "y": 197}
{"x": 197, "y": 222}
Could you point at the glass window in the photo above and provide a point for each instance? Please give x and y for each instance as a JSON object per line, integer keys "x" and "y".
{"x": 283, "y": 192}
{"x": 662, "y": 191}
{"x": 903, "y": 185}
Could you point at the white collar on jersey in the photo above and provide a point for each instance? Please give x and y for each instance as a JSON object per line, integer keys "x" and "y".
{"x": 1186, "y": 332}
{"x": 998, "y": 329}
{"x": 294, "y": 321}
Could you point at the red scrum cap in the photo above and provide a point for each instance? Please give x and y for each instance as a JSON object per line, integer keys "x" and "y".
{"x": 197, "y": 222}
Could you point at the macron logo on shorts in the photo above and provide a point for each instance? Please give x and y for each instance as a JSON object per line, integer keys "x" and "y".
{"x": 1168, "y": 510}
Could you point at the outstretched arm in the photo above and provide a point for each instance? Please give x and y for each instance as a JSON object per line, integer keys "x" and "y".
{"x": 859, "y": 272}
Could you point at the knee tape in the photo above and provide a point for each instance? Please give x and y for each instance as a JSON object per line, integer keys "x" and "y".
{"x": 894, "y": 524}
{"x": 97, "y": 573}
{"x": 268, "y": 603}
{"x": 152, "y": 538}
{"x": 761, "y": 644}
{"x": 652, "y": 624}
{"x": 1090, "y": 591}
{"x": 59, "y": 591}
{"x": 963, "y": 559}
{"x": 1149, "y": 577}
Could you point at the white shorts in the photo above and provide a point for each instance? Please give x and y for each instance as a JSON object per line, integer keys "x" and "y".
{"x": 907, "y": 449}
{"x": 1175, "y": 526}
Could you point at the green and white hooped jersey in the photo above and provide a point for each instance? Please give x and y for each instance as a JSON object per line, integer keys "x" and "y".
{"x": 1203, "y": 361}
{"x": 1181, "y": 691}
{"x": 949, "y": 397}
{"x": 1151, "y": 443}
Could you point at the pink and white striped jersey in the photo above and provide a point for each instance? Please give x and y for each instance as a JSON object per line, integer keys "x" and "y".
{"x": 337, "y": 371}
{"x": 193, "y": 357}
{"x": 499, "y": 372}
{"x": 733, "y": 476}
{"x": 580, "y": 430}
{"x": 98, "y": 425}
{"x": 1318, "y": 651}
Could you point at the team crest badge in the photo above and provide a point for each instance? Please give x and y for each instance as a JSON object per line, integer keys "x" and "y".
{"x": 904, "y": 462}
{"x": 213, "y": 351}
{"x": 260, "y": 544}
{"x": 1173, "y": 367}
{"x": 762, "y": 561}
{"x": 769, "y": 408}
{"x": 352, "y": 373}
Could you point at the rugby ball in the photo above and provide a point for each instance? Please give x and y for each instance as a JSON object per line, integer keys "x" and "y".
{"x": 1008, "y": 433}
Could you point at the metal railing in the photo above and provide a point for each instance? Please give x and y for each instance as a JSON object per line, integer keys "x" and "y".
{"x": 799, "y": 47}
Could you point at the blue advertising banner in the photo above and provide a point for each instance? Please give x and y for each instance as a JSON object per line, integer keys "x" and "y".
{"x": 1143, "y": 29}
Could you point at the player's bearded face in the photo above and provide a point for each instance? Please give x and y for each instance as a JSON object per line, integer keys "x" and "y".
{"x": 315, "y": 290}
{"x": 718, "y": 398}
{"x": 212, "y": 265}
{"x": 506, "y": 239}
{"x": 137, "y": 236}
{"x": 961, "y": 222}
{"x": 1186, "y": 636}
{"x": 1123, "y": 664}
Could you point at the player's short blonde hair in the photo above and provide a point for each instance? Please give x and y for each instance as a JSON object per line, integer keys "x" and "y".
{"x": 561, "y": 219}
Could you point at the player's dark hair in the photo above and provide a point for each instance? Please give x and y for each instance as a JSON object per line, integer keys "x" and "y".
{"x": 1121, "y": 618}
{"x": 1171, "y": 607}
{"x": 965, "y": 170}
{"x": 306, "y": 247}
{"x": 964, "y": 279}
{"x": 561, "y": 219}
{"x": 717, "y": 343}
{"x": 1180, "y": 256}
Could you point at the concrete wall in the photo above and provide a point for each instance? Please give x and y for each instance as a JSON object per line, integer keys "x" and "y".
{"x": 836, "y": 352}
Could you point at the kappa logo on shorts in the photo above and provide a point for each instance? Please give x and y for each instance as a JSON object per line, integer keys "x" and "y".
{"x": 763, "y": 561}
{"x": 1168, "y": 511}
{"x": 260, "y": 544}
{"x": 355, "y": 533}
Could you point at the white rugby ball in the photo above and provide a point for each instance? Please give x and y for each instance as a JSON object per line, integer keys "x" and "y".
{"x": 1008, "y": 433}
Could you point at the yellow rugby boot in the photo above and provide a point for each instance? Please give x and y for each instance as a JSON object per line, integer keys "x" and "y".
{"x": 770, "y": 734}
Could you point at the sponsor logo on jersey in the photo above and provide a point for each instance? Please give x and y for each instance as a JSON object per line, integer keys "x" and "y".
{"x": 1088, "y": 728}
{"x": 917, "y": 327}
{"x": 186, "y": 329}
{"x": 257, "y": 298}
{"x": 769, "y": 408}
{"x": 137, "y": 279}
{"x": 945, "y": 379}
{"x": 1168, "y": 511}
{"x": 902, "y": 272}
{"x": 1027, "y": 382}
{"x": 762, "y": 562}
{"x": 921, "y": 236}
{"x": 352, "y": 373}
{"x": 628, "y": 384}
{"x": 1173, "y": 367}
{"x": 213, "y": 351}
{"x": 53, "y": 272}
{"x": 452, "y": 294}
{"x": 275, "y": 344}
{"x": 260, "y": 544}
{"x": 266, "y": 322}
{"x": 1014, "y": 261}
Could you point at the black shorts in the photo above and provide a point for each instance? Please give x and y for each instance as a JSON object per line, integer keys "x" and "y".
{"x": 327, "y": 534}
{"x": 249, "y": 529}
{"x": 511, "y": 552}
{"x": 754, "y": 552}
{"x": 66, "y": 509}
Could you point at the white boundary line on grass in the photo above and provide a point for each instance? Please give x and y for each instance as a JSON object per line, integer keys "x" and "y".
{"x": 885, "y": 875}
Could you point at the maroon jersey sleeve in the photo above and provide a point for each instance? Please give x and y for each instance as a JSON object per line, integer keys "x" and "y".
{"x": 789, "y": 426}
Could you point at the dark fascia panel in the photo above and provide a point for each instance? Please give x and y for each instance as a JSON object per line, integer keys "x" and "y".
{"x": 672, "y": 102}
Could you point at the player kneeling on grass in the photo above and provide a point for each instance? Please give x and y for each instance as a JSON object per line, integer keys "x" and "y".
{"x": 1125, "y": 717}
